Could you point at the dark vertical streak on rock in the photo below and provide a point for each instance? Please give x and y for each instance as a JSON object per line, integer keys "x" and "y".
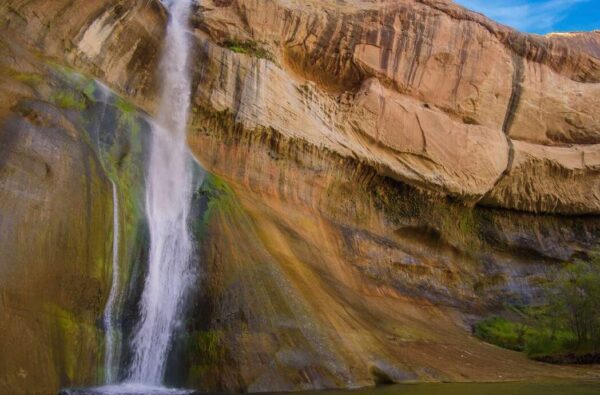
{"x": 387, "y": 40}
{"x": 202, "y": 67}
{"x": 422, "y": 134}
{"x": 433, "y": 29}
{"x": 325, "y": 39}
{"x": 464, "y": 57}
{"x": 513, "y": 105}
{"x": 401, "y": 45}
{"x": 8, "y": 137}
{"x": 381, "y": 118}
{"x": 418, "y": 48}
{"x": 372, "y": 35}
{"x": 515, "y": 96}
{"x": 88, "y": 203}
{"x": 239, "y": 89}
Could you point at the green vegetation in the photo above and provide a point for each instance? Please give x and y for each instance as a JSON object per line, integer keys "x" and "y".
{"x": 218, "y": 194}
{"x": 208, "y": 346}
{"x": 466, "y": 222}
{"x": 69, "y": 100}
{"x": 78, "y": 89}
{"x": 218, "y": 197}
{"x": 568, "y": 324}
{"x": 128, "y": 117}
{"x": 89, "y": 89}
{"x": 30, "y": 79}
{"x": 72, "y": 333}
{"x": 124, "y": 106}
{"x": 205, "y": 351}
{"x": 248, "y": 47}
{"x": 503, "y": 333}
{"x": 574, "y": 298}
{"x": 518, "y": 336}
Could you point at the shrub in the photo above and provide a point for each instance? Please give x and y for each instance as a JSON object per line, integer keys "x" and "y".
{"x": 574, "y": 300}
{"x": 503, "y": 333}
{"x": 248, "y": 48}
{"x": 568, "y": 324}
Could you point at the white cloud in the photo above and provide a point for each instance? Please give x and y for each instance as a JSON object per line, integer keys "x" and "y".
{"x": 523, "y": 14}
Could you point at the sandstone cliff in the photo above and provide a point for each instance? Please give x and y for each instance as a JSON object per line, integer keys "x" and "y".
{"x": 424, "y": 91}
{"x": 385, "y": 172}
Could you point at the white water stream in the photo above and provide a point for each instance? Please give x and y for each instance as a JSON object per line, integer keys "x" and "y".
{"x": 168, "y": 199}
{"x": 170, "y": 270}
{"x": 110, "y": 364}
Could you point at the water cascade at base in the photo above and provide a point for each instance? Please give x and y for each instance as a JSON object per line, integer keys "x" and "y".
{"x": 168, "y": 200}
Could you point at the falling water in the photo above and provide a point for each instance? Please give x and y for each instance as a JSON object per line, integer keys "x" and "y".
{"x": 168, "y": 199}
{"x": 109, "y": 353}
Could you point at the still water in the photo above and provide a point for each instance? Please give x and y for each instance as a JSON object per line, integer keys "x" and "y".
{"x": 479, "y": 389}
{"x": 558, "y": 388}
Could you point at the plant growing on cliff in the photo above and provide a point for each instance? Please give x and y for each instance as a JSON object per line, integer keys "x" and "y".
{"x": 565, "y": 327}
{"x": 574, "y": 300}
{"x": 248, "y": 47}
{"x": 31, "y": 79}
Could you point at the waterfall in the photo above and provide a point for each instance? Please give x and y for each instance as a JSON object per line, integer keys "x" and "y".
{"x": 109, "y": 347}
{"x": 168, "y": 198}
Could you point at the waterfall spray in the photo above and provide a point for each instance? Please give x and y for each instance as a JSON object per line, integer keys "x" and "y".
{"x": 168, "y": 200}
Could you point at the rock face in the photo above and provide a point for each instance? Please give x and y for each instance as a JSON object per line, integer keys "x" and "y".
{"x": 342, "y": 278}
{"x": 384, "y": 173}
{"x": 63, "y": 139}
{"x": 432, "y": 94}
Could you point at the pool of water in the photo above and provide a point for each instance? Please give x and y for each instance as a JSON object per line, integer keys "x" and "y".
{"x": 558, "y": 388}
{"x": 561, "y": 388}
{"x": 127, "y": 389}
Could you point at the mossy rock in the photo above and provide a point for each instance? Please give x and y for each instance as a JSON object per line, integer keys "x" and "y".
{"x": 248, "y": 47}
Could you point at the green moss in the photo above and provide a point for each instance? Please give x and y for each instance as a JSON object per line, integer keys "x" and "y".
{"x": 69, "y": 100}
{"x": 219, "y": 196}
{"x": 123, "y": 164}
{"x": 31, "y": 79}
{"x": 248, "y": 47}
{"x": 72, "y": 334}
{"x": 84, "y": 243}
{"x": 466, "y": 222}
{"x": 125, "y": 107}
{"x": 206, "y": 352}
{"x": 89, "y": 89}
{"x": 78, "y": 89}
{"x": 459, "y": 225}
{"x": 65, "y": 73}
{"x": 208, "y": 346}
{"x": 128, "y": 118}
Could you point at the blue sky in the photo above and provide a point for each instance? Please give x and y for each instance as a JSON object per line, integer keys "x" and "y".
{"x": 540, "y": 16}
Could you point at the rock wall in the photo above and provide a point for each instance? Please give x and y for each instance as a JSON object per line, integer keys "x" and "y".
{"x": 432, "y": 94}
{"x": 63, "y": 138}
{"x": 321, "y": 274}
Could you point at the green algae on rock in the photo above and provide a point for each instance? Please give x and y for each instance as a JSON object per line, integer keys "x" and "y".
{"x": 62, "y": 141}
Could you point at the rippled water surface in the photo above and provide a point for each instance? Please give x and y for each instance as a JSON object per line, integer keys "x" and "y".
{"x": 559, "y": 388}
